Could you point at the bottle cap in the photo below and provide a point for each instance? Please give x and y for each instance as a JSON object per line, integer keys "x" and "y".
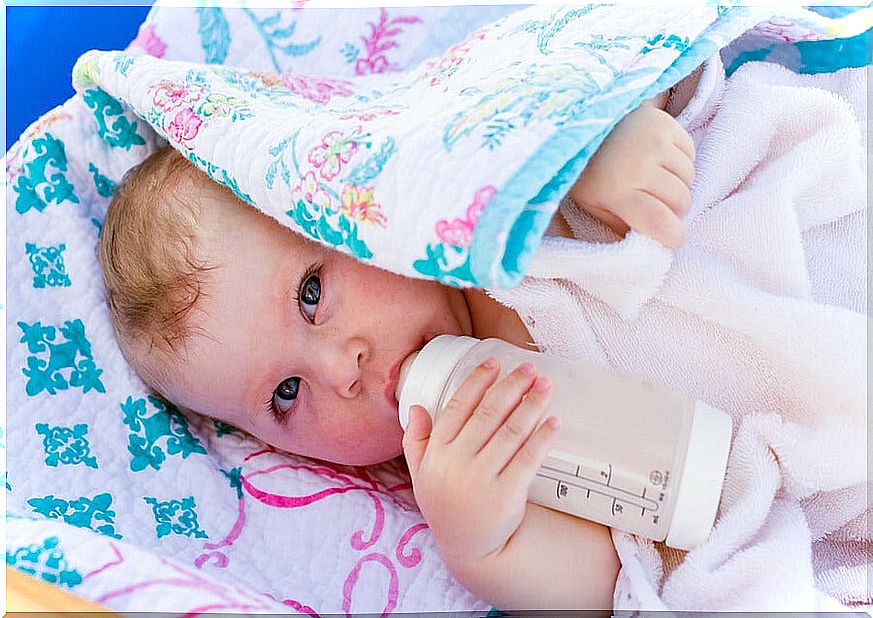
{"x": 423, "y": 375}
{"x": 702, "y": 477}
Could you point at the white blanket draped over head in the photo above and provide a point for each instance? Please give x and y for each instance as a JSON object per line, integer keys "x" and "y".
{"x": 510, "y": 115}
{"x": 114, "y": 495}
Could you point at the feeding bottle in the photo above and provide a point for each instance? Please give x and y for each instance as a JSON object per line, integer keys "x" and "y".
{"x": 629, "y": 455}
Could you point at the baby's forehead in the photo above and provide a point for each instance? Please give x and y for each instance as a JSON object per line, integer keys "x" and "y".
{"x": 209, "y": 202}
{"x": 191, "y": 182}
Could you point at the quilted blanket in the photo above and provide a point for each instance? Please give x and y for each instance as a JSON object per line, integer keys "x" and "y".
{"x": 110, "y": 491}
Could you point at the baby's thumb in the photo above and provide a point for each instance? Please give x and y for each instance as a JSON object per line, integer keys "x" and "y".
{"x": 416, "y": 437}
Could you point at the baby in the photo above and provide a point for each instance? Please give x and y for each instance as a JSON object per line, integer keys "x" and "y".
{"x": 227, "y": 313}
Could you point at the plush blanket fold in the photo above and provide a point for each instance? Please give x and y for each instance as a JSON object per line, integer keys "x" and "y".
{"x": 763, "y": 314}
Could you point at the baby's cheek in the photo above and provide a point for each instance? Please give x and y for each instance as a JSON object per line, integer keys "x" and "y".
{"x": 371, "y": 444}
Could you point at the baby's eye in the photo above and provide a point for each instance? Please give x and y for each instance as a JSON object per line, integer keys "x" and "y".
{"x": 285, "y": 394}
{"x": 309, "y": 295}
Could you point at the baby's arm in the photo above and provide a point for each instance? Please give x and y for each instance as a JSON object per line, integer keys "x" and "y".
{"x": 471, "y": 470}
{"x": 641, "y": 176}
{"x": 553, "y": 560}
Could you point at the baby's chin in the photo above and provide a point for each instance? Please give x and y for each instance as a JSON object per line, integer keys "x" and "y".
{"x": 374, "y": 446}
{"x": 368, "y": 459}
{"x": 385, "y": 451}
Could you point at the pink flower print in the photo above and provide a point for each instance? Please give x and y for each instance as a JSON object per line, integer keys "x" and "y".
{"x": 787, "y": 31}
{"x": 316, "y": 89}
{"x": 452, "y": 59}
{"x": 480, "y": 201}
{"x": 312, "y": 191}
{"x": 381, "y": 39}
{"x": 358, "y": 204}
{"x": 373, "y": 64}
{"x": 184, "y": 126}
{"x": 173, "y": 95}
{"x": 335, "y": 150}
{"x": 369, "y": 116}
{"x": 459, "y": 232}
{"x": 148, "y": 41}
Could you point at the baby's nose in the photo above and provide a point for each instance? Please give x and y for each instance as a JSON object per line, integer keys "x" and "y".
{"x": 346, "y": 369}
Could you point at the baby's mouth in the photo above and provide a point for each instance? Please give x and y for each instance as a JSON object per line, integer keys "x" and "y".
{"x": 394, "y": 373}
{"x": 393, "y": 377}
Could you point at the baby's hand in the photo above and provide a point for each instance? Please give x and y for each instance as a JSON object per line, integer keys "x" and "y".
{"x": 471, "y": 470}
{"x": 640, "y": 177}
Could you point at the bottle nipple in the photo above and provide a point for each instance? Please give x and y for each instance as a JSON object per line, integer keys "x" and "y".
{"x": 404, "y": 373}
{"x": 422, "y": 377}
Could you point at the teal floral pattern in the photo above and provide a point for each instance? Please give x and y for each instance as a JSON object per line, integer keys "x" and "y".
{"x": 123, "y": 62}
{"x": 93, "y": 513}
{"x": 66, "y": 445}
{"x": 278, "y": 37}
{"x": 214, "y": 34}
{"x": 121, "y": 133}
{"x": 48, "y": 265}
{"x": 165, "y": 425}
{"x": 219, "y": 175}
{"x": 42, "y": 181}
{"x": 223, "y": 429}
{"x": 45, "y": 561}
{"x": 547, "y": 29}
{"x": 104, "y": 186}
{"x": 176, "y": 516}
{"x": 552, "y": 92}
{"x": 235, "y": 480}
{"x": 58, "y": 365}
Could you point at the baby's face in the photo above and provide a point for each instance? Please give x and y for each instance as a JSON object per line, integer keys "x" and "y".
{"x": 300, "y": 345}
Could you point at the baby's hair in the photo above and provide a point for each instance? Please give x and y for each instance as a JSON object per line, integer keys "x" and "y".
{"x": 152, "y": 276}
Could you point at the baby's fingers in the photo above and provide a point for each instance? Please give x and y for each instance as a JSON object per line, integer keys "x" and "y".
{"x": 416, "y": 437}
{"x": 680, "y": 165}
{"x": 682, "y": 140}
{"x": 649, "y": 215}
{"x": 496, "y": 406}
{"x": 517, "y": 427}
{"x": 672, "y": 191}
{"x": 520, "y": 471}
{"x": 464, "y": 401}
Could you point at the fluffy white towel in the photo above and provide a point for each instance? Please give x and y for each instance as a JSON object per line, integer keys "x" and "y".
{"x": 762, "y": 314}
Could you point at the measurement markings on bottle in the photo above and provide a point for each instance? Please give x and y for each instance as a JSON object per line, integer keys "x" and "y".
{"x": 620, "y": 497}
{"x": 607, "y": 474}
